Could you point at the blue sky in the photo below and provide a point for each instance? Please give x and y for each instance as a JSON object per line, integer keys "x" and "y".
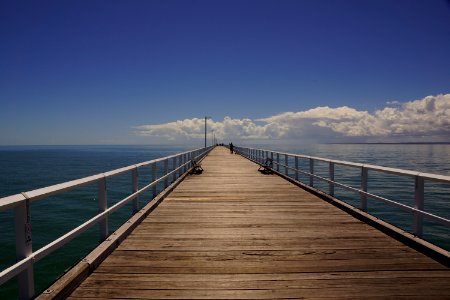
{"x": 98, "y": 72}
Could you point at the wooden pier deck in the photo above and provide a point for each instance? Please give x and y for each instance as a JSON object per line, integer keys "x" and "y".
{"x": 233, "y": 233}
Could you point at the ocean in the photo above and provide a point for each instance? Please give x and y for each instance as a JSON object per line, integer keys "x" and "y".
{"x": 24, "y": 168}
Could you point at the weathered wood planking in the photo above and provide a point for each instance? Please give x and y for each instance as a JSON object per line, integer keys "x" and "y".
{"x": 233, "y": 233}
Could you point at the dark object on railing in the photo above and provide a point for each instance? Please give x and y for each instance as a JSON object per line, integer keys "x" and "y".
{"x": 266, "y": 166}
{"x": 197, "y": 168}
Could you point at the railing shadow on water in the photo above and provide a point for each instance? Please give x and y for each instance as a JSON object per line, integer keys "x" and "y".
{"x": 107, "y": 199}
{"x": 412, "y": 201}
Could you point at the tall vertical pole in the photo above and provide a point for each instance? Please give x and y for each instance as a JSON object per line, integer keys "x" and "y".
{"x": 166, "y": 170}
{"x": 154, "y": 178}
{"x": 331, "y": 177}
{"x": 135, "y": 188}
{"x": 180, "y": 163}
{"x": 174, "y": 166}
{"x": 364, "y": 177}
{"x": 102, "y": 206}
{"x": 205, "y": 130}
{"x": 24, "y": 248}
{"x": 278, "y": 162}
{"x": 286, "y": 165}
{"x": 419, "y": 188}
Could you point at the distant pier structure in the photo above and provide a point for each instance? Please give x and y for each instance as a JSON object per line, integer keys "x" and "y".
{"x": 233, "y": 232}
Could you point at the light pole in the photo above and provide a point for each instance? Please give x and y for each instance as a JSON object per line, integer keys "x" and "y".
{"x": 206, "y": 118}
{"x": 212, "y": 137}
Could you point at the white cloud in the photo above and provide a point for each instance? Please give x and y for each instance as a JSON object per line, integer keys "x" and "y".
{"x": 191, "y": 128}
{"x": 393, "y": 102}
{"x": 429, "y": 116}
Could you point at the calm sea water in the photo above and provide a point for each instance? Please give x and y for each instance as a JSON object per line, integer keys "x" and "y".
{"x": 28, "y": 168}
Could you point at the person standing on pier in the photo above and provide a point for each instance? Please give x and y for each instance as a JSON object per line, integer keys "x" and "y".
{"x": 231, "y": 148}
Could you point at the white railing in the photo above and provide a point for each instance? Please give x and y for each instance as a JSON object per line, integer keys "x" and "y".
{"x": 285, "y": 160}
{"x": 23, "y": 269}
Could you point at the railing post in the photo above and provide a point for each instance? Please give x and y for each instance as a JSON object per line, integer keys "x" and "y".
{"x": 180, "y": 164}
{"x": 278, "y": 162}
{"x": 166, "y": 171}
{"x": 364, "y": 177}
{"x": 331, "y": 177}
{"x": 134, "y": 178}
{"x": 154, "y": 178}
{"x": 102, "y": 206}
{"x": 311, "y": 171}
{"x": 22, "y": 224}
{"x": 296, "y": 168}
{"x": 419, "y": 195}
{"x": 271, "y": 157}
{"x": 174, "y": 166}
{"x": 286, "y": 164}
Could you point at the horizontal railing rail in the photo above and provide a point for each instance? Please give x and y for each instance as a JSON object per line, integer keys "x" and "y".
{"x": 418, "y": 213}
{"x": 23, "y": 268}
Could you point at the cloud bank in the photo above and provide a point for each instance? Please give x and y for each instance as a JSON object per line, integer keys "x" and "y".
{"x": 427, "y": 119}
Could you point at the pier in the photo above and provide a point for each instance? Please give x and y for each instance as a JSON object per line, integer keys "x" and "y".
{"x": 235, "y": 233}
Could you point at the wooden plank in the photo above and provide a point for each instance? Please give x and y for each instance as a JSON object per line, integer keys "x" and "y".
{"x": 384, "y": 291}
{"x": 233, "y": 233}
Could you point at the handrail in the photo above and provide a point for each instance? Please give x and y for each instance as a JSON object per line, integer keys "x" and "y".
{"x": 44, "y": 192}
{"x": 436, "y": 177}
{"x": 23, "y": 268}
{"x": 418, "y": 212}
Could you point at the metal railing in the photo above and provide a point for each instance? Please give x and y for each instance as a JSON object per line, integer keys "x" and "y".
{"x": 289, "y": 161}
{"x": 23, "y": 268}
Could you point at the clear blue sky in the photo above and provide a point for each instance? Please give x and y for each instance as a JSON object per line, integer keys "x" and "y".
{"x": 87, "y": 72}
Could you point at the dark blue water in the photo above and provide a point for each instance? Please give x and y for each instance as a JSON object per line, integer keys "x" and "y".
{"x": 28, "y": 168}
